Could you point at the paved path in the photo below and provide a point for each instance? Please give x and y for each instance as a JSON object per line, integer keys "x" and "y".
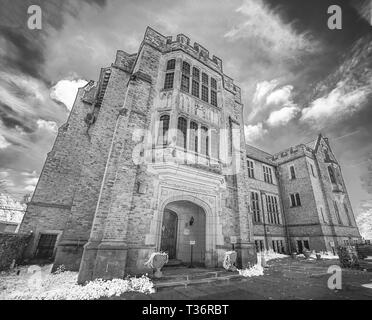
{"x": 284, "y": 279}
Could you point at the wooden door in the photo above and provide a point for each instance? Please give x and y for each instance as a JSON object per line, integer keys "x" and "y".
{"x": 299, "y": 244}
{"x": 169, "y": 234}
{"x": 45, "y": 248}
{"x": 306, "y": 244}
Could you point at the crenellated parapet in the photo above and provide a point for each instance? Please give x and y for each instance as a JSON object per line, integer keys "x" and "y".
{"x": 167, "y": 43}
{"x": 182, "y": 42}
{"x": 292, "y": 153}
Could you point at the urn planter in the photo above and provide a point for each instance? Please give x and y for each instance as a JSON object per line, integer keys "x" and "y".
{"x": 230, "y": 260}
{"x": 157, "y": 261}
{"x": 306, "y": 253}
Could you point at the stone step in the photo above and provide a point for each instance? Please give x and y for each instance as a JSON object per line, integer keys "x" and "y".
{"x": 173, "y": 263}
{"x": 195, "y": 279}
{"x": 190, "y": 276}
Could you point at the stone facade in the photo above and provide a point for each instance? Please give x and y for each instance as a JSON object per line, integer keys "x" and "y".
{"x": 161, "y": 134}
{"x": 324, "y": 218}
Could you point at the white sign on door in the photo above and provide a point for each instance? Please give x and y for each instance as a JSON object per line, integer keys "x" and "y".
{"x": 233, "y": 239}
{"x": 192, "y": 242}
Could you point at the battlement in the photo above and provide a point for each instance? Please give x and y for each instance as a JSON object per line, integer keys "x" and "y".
{"x": 167, "y": 43}
{"x": 292, "y": 153}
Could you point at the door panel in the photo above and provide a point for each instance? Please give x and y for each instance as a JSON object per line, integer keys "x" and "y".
{"x": 306, "y": 244}
{"x": 45, "y": 247}
{"x": 299, "y": 244}
{"x": 169, "y": 234}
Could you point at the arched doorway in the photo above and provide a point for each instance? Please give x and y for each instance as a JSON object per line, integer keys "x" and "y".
{"x": 184, "y": 221}
{"x": 169, "y": 233}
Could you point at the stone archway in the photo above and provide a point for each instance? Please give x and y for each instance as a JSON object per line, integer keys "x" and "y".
{"x": 205, "y": 228}
{"x": 184, "y": 221}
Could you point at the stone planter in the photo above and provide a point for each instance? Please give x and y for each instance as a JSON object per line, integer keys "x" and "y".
{"x": 157, "y": 261}
{"x": 306, "y": 253}
{"x": 230, "y": 260}
{"x": 293, "y": 255}
{"x": 263, "y": 260}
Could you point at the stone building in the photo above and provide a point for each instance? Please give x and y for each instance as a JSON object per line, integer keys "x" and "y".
{"x": 153, "y": 157}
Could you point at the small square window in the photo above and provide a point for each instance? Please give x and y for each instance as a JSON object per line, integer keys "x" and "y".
{"x": 168, "y": 82}
{"x": 298, "y": 201}
{"x": 214, "y": 98}
{"x": 185, "y": 83}
{"x": 195, "y": 88}
{"x": 205, "y": 96}
{"x": 205, "y": 78}
{"x": 293, "y": 200}
{"x": 196, "y": 74}
{"x": 213, "y": 83}
{"x": 171, "y": 64}
{"x": 185, "y": 68}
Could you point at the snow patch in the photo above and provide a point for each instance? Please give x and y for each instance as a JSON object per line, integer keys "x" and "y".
{"x": 271, "y": 255}
{"x": 37, "y": 283}
{"x": 325, "y": 255}
{"x": 254, "y": 271}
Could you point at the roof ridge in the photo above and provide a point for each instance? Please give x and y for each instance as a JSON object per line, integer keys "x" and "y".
{"x": 269, "y": 154}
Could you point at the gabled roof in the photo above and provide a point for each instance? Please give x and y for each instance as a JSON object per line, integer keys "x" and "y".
{"x": 259, "y": 155}
{"x": 331, "y": 157}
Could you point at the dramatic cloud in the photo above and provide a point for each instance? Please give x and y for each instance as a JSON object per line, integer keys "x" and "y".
{"x": 47, "y": 125}
{"x": 271, "y": 97}
{"x": 345, "y": 91}
{"x": 364, "y": 8}
{"x": 31, "y": 184}
{"x": 65, "y": 91}
{"x": 282, "y": 116}
{"x": 267, "y": 28}
{"x": 262, "y": 89}
{"x": 340, "y": 102}
{"x": 280, "y": 96}
{"x": 3, "y": 143}
{"x": 254, "y": 132}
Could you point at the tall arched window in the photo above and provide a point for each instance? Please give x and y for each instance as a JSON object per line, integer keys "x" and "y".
{"x": 181, "y": 132}
{"x": 204, "y": 141}
{"x": 163, "y": 130}
{"x": 331, "y": 174}
{"x": 193, "y": 144}
{"x": 185, "y": 80}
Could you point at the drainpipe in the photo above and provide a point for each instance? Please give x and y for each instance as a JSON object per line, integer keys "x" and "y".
{"x": 263, "y": 219}
{"x": 283, "y": 212}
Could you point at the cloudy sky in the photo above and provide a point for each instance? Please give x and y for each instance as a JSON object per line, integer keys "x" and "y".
{"x": 298, "y": 77}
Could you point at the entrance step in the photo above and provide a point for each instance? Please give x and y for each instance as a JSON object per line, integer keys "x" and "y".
{"x": 173, "y": 263}
{"x": 186, "y": 277}
{"x": 365, "y": 264}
